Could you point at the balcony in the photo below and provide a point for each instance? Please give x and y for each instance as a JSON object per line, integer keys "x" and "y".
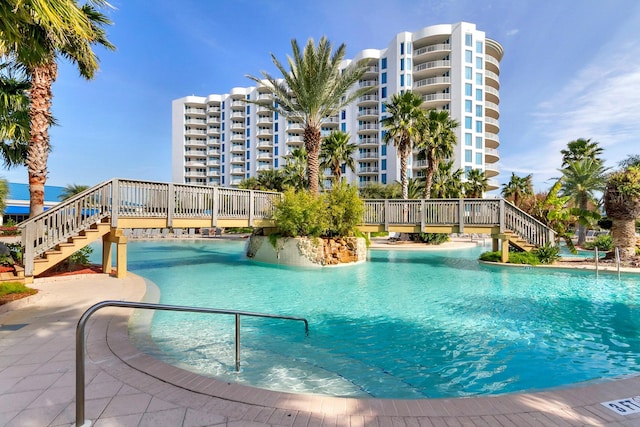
{"x": 213, "y": 129}
{"x": 237, "y": 114}
{"x": 238, "y": 104}
{"x": 491, "y": 110}
{"x": 237, "y": 136}
{"x": 194, "y": 111}
{"x": 213, "y": 109}
{"x": 368, "y": 127}
{"x": 368, "y": 170}
{"x": 491, "y": 170}
{"x": 195, "y": 163}
{"x": 368, "y": 112}
{"x": 371, "y": 140}
{"x": 434, "y": 50}
{"x": 491, "y": 155}
{"x": 237, "y": 148}
{"x": 491, "y": 79}
{"x": 264, "y": 144}
{"x": 491, "y": 125}
{"x": 235, "y": 171}
{"x": 194, "y": 131}
{"x": 369, "y": 99}
{"x": 264, "y": 120}
{"x": 237, "y": 159}
{"x": 295, "y": 127}
{"x": 264, "y": 156}
{"x": 491, "y": 140}
{"x": 492, "y": 64}
{"x": 295, "y": 138}
{"x": 492, "y": 94}
{"x": 195, "y": 143}
{"x": 492, "y": 184}
{"x": 419, "y": 164}
{"x": 435, "y": 101}
{"x": 368, "y": 83}
{"x": 431, "y": 67}
{"x": 331, "y": 120}
{"x": 368, "y": 155}
{"x": 433, "y": 84}
{"x": 264, "y": 131}
{"x": 237, "y": 126}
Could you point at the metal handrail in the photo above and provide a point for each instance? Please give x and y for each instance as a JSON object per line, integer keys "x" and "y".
{"x": 80, "y": 337}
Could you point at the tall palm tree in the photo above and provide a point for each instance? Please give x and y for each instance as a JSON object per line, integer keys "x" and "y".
{"x": 14, "y": 116}
{"x": 436, "y": 142}
{"x": 314, "y": 89}
{"x": 402, "y": 128}
{"x": 581, "y": 149}
{"x": 337, "y": 150}
{"x": 622, "y": 203}
{"x": 447, "y": 184}
{"x": 71, "y": 190}
{"x": 581, "y": 179}
{"x": 518, "y": 188}
{"x": 36, "y": 34}
{"x": 476, "y": 184}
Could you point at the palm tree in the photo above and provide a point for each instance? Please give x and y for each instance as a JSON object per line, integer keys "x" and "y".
{"x": 35, "y": 34}
{"x": 447, "y": 184}
{"x": 71, "y": 190}
{"x": 415, "y": 188}
{"x": 436, "y": 142}
{"x": 4, "y": 192}
{"x": 476, "y": 184}
{"x": 313, "y": 90}
{"x": 337, "y": 150}
{"x": 518, "y": 188}
{"x": 622, "y": 203}
{"x": 271, "y": 180}
{"x": 581, "y": 149}
{"x": 581, "y": 179}
{"x": 295, "y": 171}
{"x": 402, "y": 128}
{"x": 14, "y": 116}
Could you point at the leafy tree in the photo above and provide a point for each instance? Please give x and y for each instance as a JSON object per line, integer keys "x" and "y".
{"x": 71, "y": 190}
{"x": 4, "y": 193}
{"x": 518, "y": 188}
{"x": 581, "y": 180}
{"x": 447, "y": 184}
{"x": 553, "y": 212}
{"x": 476, "y": 184}
{"x": 267, "y": 180}
{"x": 35, "y": 34}
{"x": 312, "y": 90}
{"x": 581, "y": 149}
{"x": 622, "y": 203}
{"x": 14, "y": 115}
{"x": 436, "y": 142}
{"x": 631, "y": 160}
{"x": 337, "y": 150}
{"x": 376, "y": 190}
{"x": 402, "y": 126}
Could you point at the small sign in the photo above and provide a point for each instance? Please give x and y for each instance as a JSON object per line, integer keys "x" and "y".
{"x": 626, "y": 406}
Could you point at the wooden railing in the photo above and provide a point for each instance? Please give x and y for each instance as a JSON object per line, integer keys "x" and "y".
{"x": 121, "y": 198}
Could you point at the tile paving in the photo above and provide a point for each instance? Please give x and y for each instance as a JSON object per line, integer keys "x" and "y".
{"x": 127, "y": 388}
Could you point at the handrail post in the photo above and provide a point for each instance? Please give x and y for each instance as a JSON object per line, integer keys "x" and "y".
{"x": 237, "y": 342}
{"x": 597, "y": 259}
{"x": 501, "y": 215}
{"x": 171, "y": 203}
{"x": 386, "y": 215}
{"x": 215, "y": 205}
{"x": 461, "y": 213}
{"x": 252, "y": 196}
{"x": 115, "y": 202}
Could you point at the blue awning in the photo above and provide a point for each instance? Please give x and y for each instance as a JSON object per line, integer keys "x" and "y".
{"x": 17, "y": 210}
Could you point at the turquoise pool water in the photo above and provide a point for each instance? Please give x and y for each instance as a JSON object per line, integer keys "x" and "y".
{"x": 404, "y": 325}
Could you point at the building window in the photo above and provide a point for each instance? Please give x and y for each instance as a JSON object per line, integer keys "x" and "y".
{"x": 383, "y": 164}
{"x": 248, "y": 157}
{"x": 468, "y": 123}
{"x": 468, "y": 40}
{"x": 401, "y": 48}
{"x": 478, "y": 94}
{"x": 343, "y": 127}
{"x": 383, "y": 63}
{"x": 478, "y": 110}
{"x": 383, "y": 92}
{"x": 479, "y": 126}
{"x": 479, "y": 63}
{"x": 478, "y": 47}
{"x": 276, "y": 140}
{"x": 275, "y": 163}
{"x": 408, "y": 79}
{"x": 384, "y": 178}
{"x": 383, "y": 78}
{"x": 248, "y": 132}
{"x": 468, "y": 156}
{"x": 383, "y": 108}
{"x": 468, "y": 89}
{"x": 402, "y": 64}
{"x": 479, "y": 159}
{"x": 468, "y": 105}
{"x": 408, "y": 63}
{"x": 468, "y": 57}
{"x": 384, "y": 150}
{"x": 248, "y": 143}
{"x": 275, "y": 151}
{"x": 343, "y": 114}
{"x": 479, "y": 142}
{"x": 248, "y": 106}
{"x": 467, "y": 139}
{"x": 468, "y": 73}
{"x": 401, "y": 79}
{"x": 479, "y": 78}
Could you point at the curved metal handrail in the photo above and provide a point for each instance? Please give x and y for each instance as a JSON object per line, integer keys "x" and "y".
{"x": 80, "y": 337}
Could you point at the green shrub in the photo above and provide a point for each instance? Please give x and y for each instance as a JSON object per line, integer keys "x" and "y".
{"x": 238, "y": 230}
{"x": 431, "y": 238}
{"x": 345, "y": 209}
{"x": 15, "y": 249}
{"x": 14, "y": 288}
{"x": 491, "y": 256}
{"x": 379, "y": 234}
{"x": 547, "y": 254}
{"x": 81, "y": 257}
{"x": 523, "y": 258}
{"x": 604, "y": 242}
{"x": 301, "y": 214}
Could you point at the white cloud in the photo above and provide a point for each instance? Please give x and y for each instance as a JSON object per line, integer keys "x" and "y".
{"x": 600, "y": 103}
{"x": 512, "y": 32}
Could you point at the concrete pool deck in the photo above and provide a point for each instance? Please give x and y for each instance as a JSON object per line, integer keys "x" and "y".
{"x": 127, "y": 388}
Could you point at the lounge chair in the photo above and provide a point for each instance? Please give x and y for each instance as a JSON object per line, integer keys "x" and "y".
{"x": 177, "y": 232}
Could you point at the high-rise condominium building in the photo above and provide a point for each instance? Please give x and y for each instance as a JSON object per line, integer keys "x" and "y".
{"x": 221, "y": 140}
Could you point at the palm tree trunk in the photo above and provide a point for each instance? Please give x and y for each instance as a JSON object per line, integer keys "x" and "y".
{"x": 582, "y": 229}
{"x": 623, "y": 233}
{"x": 42, "y": 78}
{"x": 428, "y": 178}
{"x": 312, "y": 143}
{"x": 404, "y": 154}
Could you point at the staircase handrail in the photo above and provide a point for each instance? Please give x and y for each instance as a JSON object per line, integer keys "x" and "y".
{"x": 527, "y": 226}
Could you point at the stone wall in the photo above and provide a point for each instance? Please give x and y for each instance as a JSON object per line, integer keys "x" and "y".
{"x": 308, "y": 252}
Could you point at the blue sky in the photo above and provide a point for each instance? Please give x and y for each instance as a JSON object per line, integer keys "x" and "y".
{"x": 571, "y": 69}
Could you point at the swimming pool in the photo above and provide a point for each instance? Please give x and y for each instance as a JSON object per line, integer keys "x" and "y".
{"x": 404, "y": 325}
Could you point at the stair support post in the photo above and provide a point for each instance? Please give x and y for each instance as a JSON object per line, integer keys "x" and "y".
{"x": 115, "y": 236}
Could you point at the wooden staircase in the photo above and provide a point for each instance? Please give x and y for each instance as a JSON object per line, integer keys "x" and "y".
{"x": 518, "y": 242}
{"x": 62, "y": 251}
